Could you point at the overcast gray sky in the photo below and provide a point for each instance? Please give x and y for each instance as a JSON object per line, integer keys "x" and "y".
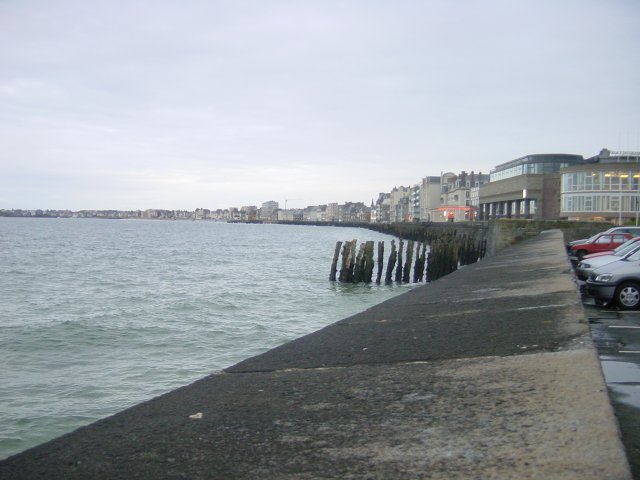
{"x": 135, "y": 104}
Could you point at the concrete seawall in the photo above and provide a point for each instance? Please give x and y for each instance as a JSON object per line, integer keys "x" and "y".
{"x": 489, "y": 372}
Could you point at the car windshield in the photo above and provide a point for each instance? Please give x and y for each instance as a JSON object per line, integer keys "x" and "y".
{"x": 592, "y": 239}
{"x": 626, "y": 247}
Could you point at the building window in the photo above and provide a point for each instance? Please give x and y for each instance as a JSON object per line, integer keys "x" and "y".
{"x": 615, "y": 203}
{"x": 624, "y": 181}
{"x": 588, "y": 204}
{"x": 615, "y": 181}
{"x": 588, "y": 181}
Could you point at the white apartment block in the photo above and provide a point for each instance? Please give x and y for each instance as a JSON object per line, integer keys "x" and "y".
{"x": 333, "y": 212}
{"x": 400, "y": 209}
{"x": 429, "y": 199}
{"x": 269, "y": 210}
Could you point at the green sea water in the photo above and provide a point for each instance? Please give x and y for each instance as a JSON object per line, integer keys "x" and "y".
{"x": 98, "y": 315}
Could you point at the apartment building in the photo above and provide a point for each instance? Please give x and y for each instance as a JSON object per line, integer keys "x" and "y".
{"x": 429, "y": 199}
{"x": 333, "y": 212}
{"x": 380, "y": 210}
{"x": 400, "y": 204}
{"x": 269, "y": 210}
{"x": 249, "y": 213}
{"x": 456, "y": 199}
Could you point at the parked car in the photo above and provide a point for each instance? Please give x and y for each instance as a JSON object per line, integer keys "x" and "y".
{"x": 596, "y": 260}
{"x": 599, "y": 243}
{"x": 634, "y": 231}
{"x": 626, "y": 247}
{"x": 617, "y": 282}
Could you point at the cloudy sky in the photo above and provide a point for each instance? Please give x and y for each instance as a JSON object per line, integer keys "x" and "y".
{"x": 135, "y": 104}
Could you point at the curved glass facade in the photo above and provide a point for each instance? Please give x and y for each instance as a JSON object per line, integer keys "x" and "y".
{"x": 537, "y": 164}
{"x": 530, "y": 168}
{"x": 601, "y": 191}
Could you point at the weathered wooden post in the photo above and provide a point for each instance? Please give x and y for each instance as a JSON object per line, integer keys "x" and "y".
{"x": 434, "y": 261}
{"x": 465, "y": 254}
{"x": 346, "y": 272}
{"x": 417, "y": 266}
{"x": 352, "y": 261}
{"x": 423, "y": 261}
{"x": 391, "y": 263}
{"x": 380, "y": 261}
{"x": 406, "y": 272}
{"x": 399, "y": 267}
{"x": 367, "y": 271}
{"x": 455, "y": 255}
{"x": 357, "y": 271}
{"x": 334, "y": 262}
{"x": 343, "y": 264}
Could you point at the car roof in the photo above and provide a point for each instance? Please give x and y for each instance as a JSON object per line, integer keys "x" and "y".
{"x": 622, "y": 265}
{"x": 622, "y": 229}
{"x": 598, "y": 235}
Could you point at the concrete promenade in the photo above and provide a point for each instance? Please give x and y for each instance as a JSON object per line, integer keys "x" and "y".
{"x": 488, "y": 373}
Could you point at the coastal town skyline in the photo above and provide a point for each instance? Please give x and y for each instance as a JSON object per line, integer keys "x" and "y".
{"x": 139, "y": 104}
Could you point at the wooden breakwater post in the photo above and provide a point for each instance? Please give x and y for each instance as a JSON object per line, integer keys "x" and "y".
{"x": 334, "y": 262}
{"x": 418, "y": 268}
{"x": 391, "y": 263}
{"x": 399, "y": 266}
{"x": 430, "y": 257}
{"x": 348, "y": 262}
{"x": 357, "y": 269}
{"x": 363, "y": 270}
{"x": 368, "y": 263}
{"x": 380, "y": 261}
{"x": 451, "y": 251}
{"x": 406, "y": 271}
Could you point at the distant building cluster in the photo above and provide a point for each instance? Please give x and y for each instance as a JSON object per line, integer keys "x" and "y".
{"x": 269, "y": 212}
{"x": 446, "y": 198}
{"x": 539, "y": 186}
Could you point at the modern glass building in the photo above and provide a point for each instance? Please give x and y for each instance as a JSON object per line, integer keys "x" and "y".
{"x": 537, "y": 164}
{"x": 527, "y": 187}
{"x": 606, "y": 187}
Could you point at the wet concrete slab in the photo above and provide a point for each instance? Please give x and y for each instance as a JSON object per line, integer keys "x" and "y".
{"x": 471, "y": 418}
{"x": 488, "y": 373}
{"x": 616, "y": 335}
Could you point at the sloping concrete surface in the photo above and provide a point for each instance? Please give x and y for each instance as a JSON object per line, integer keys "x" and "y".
{"x": 488, "y": 373}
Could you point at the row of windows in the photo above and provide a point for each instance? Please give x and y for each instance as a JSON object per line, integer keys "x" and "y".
{"x": 502, "y": 209}
{"x": 604, "y": 181}
{"x": 529, "y": 168}
{"x": 600, "y": 203}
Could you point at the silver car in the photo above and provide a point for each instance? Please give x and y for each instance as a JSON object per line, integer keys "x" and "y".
{"x": 590, "y": 262}
{"x": 617, "y": 283}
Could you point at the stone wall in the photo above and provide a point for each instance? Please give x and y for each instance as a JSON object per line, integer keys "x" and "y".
{"x": 499, "y": 234}
{"x": 506, "y": 232}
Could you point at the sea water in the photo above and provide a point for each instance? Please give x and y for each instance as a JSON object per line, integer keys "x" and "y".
{"x": 98, "y": 315}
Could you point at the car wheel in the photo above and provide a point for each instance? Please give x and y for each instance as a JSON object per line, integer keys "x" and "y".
{"x": 628, "y": 296}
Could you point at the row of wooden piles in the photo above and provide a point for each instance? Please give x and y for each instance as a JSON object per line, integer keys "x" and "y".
{"x": 441, "y": 256}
